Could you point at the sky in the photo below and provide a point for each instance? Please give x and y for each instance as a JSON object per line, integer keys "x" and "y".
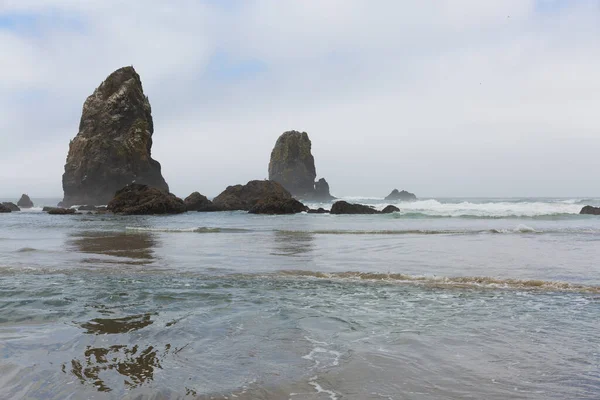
{"x": 448, "y": 98}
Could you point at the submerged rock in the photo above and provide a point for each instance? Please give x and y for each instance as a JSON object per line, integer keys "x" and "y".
{"x": 343, "y": 207}
{"x": 318, "y": 211}
{"x": 278, "y": 206}
{"x": 590, "y": 210}
{"x": 401, "y": 196}
{"x": 60, "y": 211}
{"x": 113, "y": 146}
{"x": 244, "y": 197}
{"x": 137, "y": 199}
{"x": 25, "y": 202}
{"x": 390, "y": 209}
{"x": 11, "y": 206}
{"x": 198, "y": 202}
{"x": 4, "y": 209}
{"x": 87, "y": 208}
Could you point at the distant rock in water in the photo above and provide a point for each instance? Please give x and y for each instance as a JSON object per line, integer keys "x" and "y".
{"x": 113, "y": 146}
{"x": 198, "y": 202}
{"x": 11, "y": 206}
{"x": 318, "y": 211}
{"x": 60, "y": 211}
{"x": 390, "y": 209}
{"x": 401, "y": 196}
{"x": 136, "y": 199}
{"x": 590, "y": 210}
{"x": 4, "y": 209}
{"x": 25, "y": 202}
{"x": 86, "y": 208}
{"x": 278, "y": 206}
{"x": 293, "y": 165}
{"x": 244, "y": 197}
{"x": 343, "y": 207}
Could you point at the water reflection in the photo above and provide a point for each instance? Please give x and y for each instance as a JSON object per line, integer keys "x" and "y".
{"x": 293, "y": 243}
{"x": 137, "y": 247}
{"x": 100, "y": 326}
{"x": 135, "y": 364}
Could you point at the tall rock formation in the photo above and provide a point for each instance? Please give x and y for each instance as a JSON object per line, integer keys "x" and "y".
{"x": 293, "y": 166}
{"x": 113, "y": 146}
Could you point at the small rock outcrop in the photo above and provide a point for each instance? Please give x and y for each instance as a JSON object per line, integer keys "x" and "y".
{"x": 590, "y": 210}
{"x": 293, "y": 166}
{"x": 61, "y": 211}
{"x": 11, "y": 206}
{"x": 343, "y": 207}
{"x": 25, "y": 202}
{"x": 403, "y": 195}
{"x": 390, "y": 209}
{"x": 319, "y": 210}
{"x": 321, "y": 192}
{"x": 278, "y": 206}
{"x": 198, "y": 202}
{"x": 113, "y": 146}
{"x": 4, "y": 209}
{"x": 87, "y": 208}
{"x": 244, "y": 197}
{"x": 137, "y": 199}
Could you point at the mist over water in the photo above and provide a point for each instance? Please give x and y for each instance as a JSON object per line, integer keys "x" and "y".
{"x": 449, "y": 298}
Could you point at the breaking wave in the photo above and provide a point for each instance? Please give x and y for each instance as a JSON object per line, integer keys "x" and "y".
{"x": 442, "y": 281}
{"x": 200, "y": 229}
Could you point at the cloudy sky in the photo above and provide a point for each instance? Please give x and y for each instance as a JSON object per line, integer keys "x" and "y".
{"x": 440, "y": 97}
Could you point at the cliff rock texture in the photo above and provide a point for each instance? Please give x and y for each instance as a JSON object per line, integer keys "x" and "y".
{"x": 113, "y": 146}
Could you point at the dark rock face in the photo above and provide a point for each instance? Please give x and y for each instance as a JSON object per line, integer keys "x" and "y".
{"x": 244, "y": 197}
{"x": 292, "y": 163}
{"x": 87, "y": 208}
{"x": 25, "y": 202}
{"x": 590, "y": 210}
{"x": 198, "y": 202}
{"x": 113, "y": 146}
{"x": 137, "y": 199}
{"x": 60, "y": 211}
{"x": 342, "y": 207}
{"x": 321, "y": 192}
{"x": 401, "y": 196}
{"x": 4, "y": 209}
{"x": 11, "y": 206}
{"x": 318, "y": 211}
{"x": 390, "y": 209}
{"x": 278, "y": 206}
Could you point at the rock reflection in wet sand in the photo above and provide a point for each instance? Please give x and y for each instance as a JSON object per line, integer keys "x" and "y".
{"x": 136, "y": 365}
{"x": 137, "y": 246}
{"x": 290, "y": 243}
{"x": 101, "y": 326}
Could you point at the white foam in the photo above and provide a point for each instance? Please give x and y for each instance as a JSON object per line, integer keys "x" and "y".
{"x": 313, "y": 382}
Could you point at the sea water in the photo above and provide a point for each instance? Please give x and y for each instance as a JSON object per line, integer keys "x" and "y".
{"x": 446, "y": 299}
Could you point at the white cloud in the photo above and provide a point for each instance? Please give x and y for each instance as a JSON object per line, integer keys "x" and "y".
{"x": 442, "y": 98}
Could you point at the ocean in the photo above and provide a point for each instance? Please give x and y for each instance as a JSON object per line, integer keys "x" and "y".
{"x": 447, "y": 299}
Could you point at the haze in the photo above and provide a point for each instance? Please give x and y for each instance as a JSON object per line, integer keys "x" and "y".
{"x": 442, "y": 98}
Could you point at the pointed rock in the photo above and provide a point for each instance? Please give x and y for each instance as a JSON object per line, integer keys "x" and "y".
{"x": 401, "y": 196}
{"x": 113, "y": 146}
{"x": 25, "y": 202}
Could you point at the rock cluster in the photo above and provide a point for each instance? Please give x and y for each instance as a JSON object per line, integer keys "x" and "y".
{"x": 343, "y": 207}
{"x": 397, "y": 195}
{"x": 25, "y": 202}
{"x": 293, "y": 166}
{"x": 60, "y": 211}
{"x": 113, "y": 146}
{"x": 137, "y": 199}
{"x": 590, "y": 210}
{"x": 244, "y": 197}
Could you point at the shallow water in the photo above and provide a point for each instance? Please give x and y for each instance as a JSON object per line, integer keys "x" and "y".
{"x": 448, "y": 299}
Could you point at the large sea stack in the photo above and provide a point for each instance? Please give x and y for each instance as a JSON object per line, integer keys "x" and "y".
{"x": 293, "y": 166}
{"x": 113, "y": 146}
